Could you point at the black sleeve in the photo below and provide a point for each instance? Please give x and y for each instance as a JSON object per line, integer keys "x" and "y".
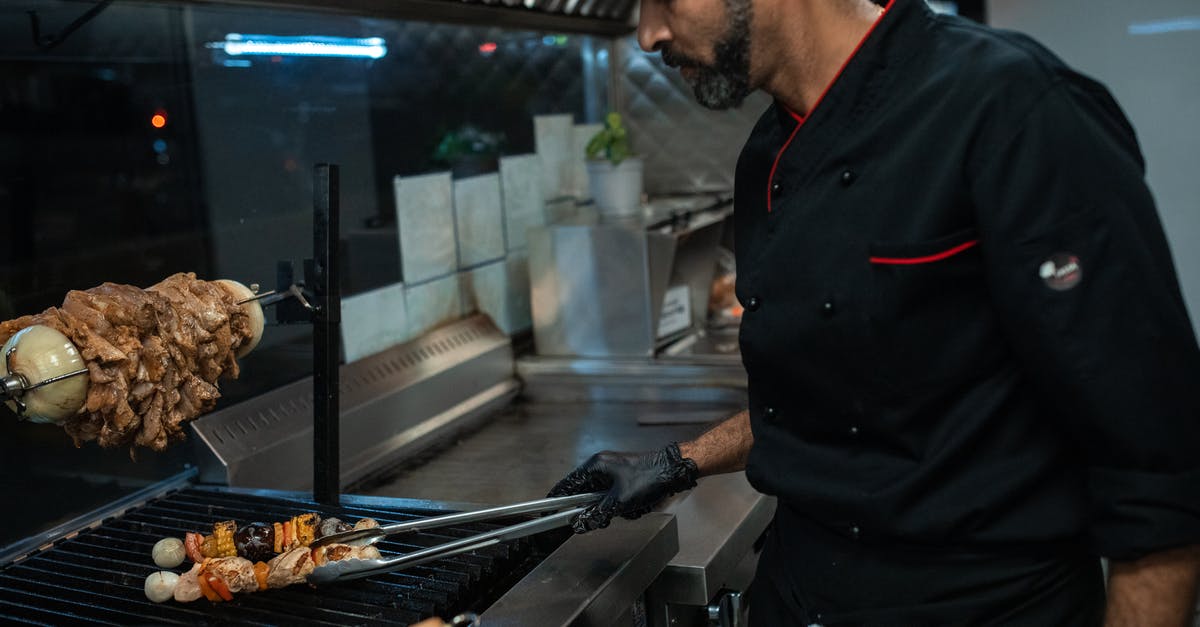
{"x": 1081, "y": 274}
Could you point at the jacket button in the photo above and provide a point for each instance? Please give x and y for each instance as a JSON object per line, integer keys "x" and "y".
{"x": 827, "y": 309}
{"x": 848, "y": 177}
{"x": 753, "y": 304}
{"x": 855, "y": 532}
{"x": 769, "y": 413}
{"x": 853, "y": 430}
{"x": 775, "y": 187}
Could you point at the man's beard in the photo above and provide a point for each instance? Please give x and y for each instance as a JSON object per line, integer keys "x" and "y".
{"x": 725, "y": 83}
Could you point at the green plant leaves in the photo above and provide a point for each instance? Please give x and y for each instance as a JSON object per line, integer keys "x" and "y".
{"x": 611, "y": 143}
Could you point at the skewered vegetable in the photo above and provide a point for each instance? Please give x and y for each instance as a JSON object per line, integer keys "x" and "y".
{"x": 255, "y": 542}
{"x": 223, "y": 533}
{"x": 304, "y": 527}
{"x": 260, "y": 541}
{"x": 168, "y": 553}
{"x": 260, "y": 574}
{"x": 160, "y": 586}
{"x": 330, "y": 526}
{"x": 192, "y": 543}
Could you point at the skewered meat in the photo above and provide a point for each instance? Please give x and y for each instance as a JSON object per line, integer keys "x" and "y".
{"x": 153, "y": 356}
{"x": 188, "y": 588}
{"x": 289, "y": 568}
{"x": 339, "y": 552}
{"x": 218, "y": 575}
{"x": 220, "y": 578}
{"x": 236, "y": 572}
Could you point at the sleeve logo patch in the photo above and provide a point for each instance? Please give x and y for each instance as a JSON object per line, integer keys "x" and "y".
{"x": 1061, "y": 272}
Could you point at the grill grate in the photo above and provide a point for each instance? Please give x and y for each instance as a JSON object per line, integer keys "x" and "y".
{"x": 96, "y": 576}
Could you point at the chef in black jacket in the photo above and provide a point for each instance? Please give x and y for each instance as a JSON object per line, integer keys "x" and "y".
{"x": 971, "y": 371}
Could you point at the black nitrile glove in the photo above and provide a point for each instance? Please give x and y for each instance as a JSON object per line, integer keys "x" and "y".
{"x": 633, "y": 484}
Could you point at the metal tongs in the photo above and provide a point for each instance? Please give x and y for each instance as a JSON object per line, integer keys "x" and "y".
{"x": 345, "y": 570}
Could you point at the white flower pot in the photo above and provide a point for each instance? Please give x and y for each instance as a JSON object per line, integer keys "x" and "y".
{"x": 616, "y": 190}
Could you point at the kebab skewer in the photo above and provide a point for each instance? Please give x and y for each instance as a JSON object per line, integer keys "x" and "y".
{"x": 258, "y": 556}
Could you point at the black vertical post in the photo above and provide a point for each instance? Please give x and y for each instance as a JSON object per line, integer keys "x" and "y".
{"x": 327, "y": 317}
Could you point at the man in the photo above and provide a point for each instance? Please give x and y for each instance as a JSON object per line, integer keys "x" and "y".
{"x": 971, "y": 372}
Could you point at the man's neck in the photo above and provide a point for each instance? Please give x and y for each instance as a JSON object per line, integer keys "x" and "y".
{"x": 809, "y": 42}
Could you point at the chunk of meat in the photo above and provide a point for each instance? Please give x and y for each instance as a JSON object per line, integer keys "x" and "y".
{"x": 188, "y": 588}
{"x": 339, "y": 552}
{"x": 236, "y": 572}
{"x": 290, "y": 567}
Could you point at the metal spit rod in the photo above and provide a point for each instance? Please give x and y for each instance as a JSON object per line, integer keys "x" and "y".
{"x": 322, "y": 281}
{"x": 327, "y": 317}
{"x": 266, "y": 299}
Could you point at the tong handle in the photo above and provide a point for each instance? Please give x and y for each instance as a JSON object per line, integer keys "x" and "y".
{"x": 374, "y": 534}
{"x": 357, "y": 569}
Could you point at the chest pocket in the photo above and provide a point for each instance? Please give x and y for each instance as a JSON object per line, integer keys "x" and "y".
{"x": 931, "y": 322}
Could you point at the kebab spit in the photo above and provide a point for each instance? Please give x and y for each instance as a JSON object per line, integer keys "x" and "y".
{"x": 126, "y": 366}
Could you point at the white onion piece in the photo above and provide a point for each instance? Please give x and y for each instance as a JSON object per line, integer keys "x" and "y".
{"x": 168, "y": 552}
{"x": 160, "y": 586}
{"x": 252, "y": 309}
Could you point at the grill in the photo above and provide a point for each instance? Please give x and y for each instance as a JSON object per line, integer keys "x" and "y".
{"x": 97, "y": 575}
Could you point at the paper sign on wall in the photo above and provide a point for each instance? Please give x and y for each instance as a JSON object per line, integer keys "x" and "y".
{"x": 676, "y": 311}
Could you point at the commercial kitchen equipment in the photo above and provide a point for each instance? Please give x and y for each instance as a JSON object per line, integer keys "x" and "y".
{"x": 625, "y": 286}
{"x": 385, "y": 426}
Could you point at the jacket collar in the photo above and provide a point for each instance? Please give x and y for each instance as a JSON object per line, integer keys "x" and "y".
{"x": 894, "y": 39}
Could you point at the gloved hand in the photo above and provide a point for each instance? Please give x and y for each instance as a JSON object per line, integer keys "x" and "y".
{"x": 633, "y": 484}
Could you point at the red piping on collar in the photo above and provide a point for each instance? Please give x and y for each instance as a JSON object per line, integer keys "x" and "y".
{"x": 800, "y": 119}
{"x": 912, "y": 261}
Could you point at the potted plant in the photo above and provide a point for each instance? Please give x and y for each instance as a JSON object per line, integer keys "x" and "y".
{"x": 614, "y": 175}
{"x": 469, "y": 151}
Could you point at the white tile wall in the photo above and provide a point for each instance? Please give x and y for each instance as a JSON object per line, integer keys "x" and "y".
{"x": 501, "y": 290}
{"x": 425, "y": 221}
{"x": 373, "y": 322}
{"x": 520, "y": 316}
{"x": 480, "y": 220}
{"x": 552, "y": 136}
{"x": 433, "y": 303}
{"x": 524, "y": 207}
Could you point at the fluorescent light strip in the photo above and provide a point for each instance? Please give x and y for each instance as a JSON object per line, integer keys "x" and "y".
{"x": 1158, "y": 27}
{"x": 236, "y": 44}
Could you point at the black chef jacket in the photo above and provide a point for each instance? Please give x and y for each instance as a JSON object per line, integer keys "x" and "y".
{"x": 963, "y": 329}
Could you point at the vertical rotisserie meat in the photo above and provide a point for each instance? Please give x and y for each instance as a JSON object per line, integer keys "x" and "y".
{"x": 153, "y": 356}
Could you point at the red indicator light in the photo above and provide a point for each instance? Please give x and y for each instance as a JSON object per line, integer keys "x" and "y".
{"x": 159, "y": 120}
{"x": 487, "y": 47}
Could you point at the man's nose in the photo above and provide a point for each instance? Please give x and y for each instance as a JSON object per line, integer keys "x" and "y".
{"x": 653, "y": 32}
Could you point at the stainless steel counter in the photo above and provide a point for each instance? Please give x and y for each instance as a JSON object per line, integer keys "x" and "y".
{"x": 592, "y": 579}
{"x": 523, "y": 451}
{"x": 519, "y": 455}
{"x": 725, "y": 516}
